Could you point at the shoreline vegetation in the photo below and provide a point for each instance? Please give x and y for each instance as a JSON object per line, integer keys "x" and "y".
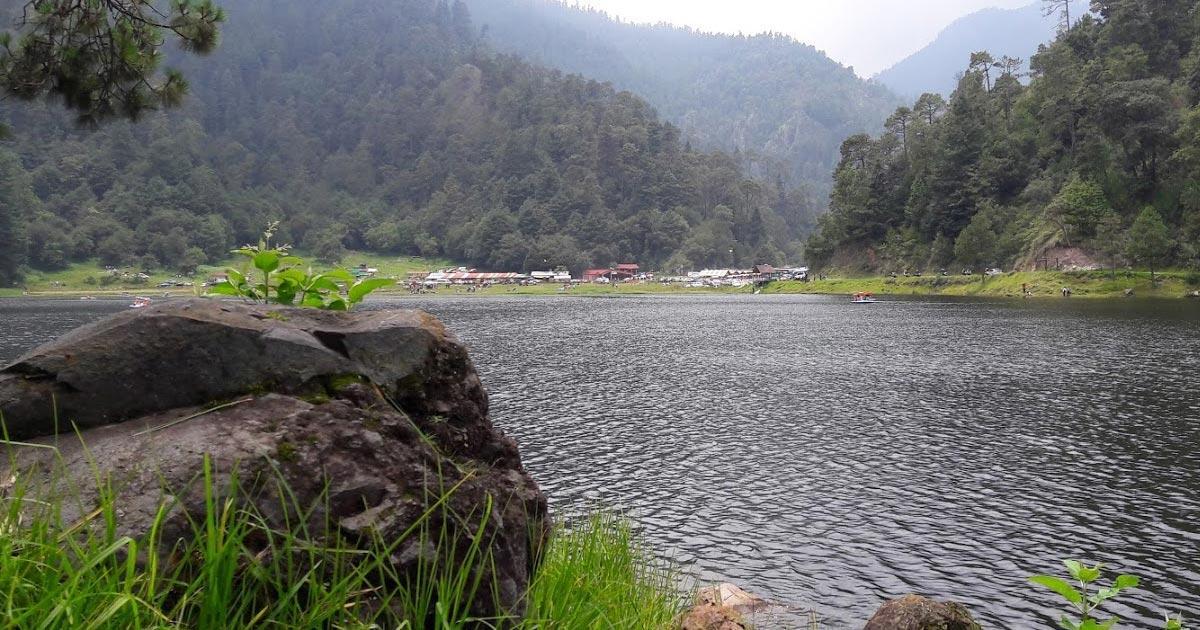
{"x": 1034, "y": 284}
{"x": 74, "y": 283}
{"x": 594, "y": 572}
{"x": 88, "y": 279}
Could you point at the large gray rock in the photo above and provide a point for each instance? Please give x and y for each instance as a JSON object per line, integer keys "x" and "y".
{"x": 193, "y": 352}
{"x": 913, "y": 612}
{"x": 368, "y": 418}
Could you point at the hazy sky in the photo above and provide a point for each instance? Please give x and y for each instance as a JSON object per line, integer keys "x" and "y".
{"x": 870, "y": 35}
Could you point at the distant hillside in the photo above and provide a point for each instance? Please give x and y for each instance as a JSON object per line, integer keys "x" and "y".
{"x": 1095, "y": 162}
{"x": 783, "y": 104}
{"x": 936, "y": 67}
{"x": 382, "y": 125}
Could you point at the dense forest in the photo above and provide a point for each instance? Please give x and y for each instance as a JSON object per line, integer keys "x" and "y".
{"x": 782, "y": 105}
{"x": 384, "y": 125}
{"x": 1100, "y": 152}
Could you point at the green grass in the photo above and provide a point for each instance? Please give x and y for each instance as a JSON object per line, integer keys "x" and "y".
{"x": 393, "y": 266}
{"x": 74, "y": 280}
{"x": 1095, "y": 284}
{"x": 597, "y": 574}
{"x": 237, "y": 570}
{"x": 86, "y": 277}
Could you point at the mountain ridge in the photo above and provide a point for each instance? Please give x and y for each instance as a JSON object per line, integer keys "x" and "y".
{"x": 782, "y": 105}
{"x": 937, "y": 65}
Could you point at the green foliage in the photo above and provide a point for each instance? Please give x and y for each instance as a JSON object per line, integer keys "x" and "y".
{"x": 1085, "y": 603}
{"x": 101, "y": 58}
{"x": 16, "y": 200}
{"x": 597, "y": 574}
{"x": 277, "y": 278}
{"x": 1078, "y": 208}
{"x": 1108, "y": 125}
{"x": 976, "y": 244}
{"x": 1149, "y": 240}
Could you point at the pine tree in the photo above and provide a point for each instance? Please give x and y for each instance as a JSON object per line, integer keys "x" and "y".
{"x": 1149, "y": 240}
{"x": 101, "y": 58}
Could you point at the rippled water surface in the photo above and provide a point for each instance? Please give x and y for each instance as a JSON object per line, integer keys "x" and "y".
{"x": 830, "y": 455}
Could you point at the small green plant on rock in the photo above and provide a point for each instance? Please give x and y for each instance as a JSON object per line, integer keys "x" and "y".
{"x": 278, "y": 278}
{"x": 1087, "y": 604}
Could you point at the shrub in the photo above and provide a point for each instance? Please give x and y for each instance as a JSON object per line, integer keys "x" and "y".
{"x": 1087, "y": 604}
{"x": 284, "y": 282}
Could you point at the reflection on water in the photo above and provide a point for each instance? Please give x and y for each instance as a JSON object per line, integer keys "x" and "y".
{"x": 829, "y": 455}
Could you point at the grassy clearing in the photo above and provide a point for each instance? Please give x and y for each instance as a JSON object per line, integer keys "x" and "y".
{"x": 1096, "y": 284}
{"x": 238, "y": 571}
{"x": 87, "y": 278}
{"x": 393, "y": 266}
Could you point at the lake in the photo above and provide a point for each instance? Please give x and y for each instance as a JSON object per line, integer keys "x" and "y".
{"x": 829, "y": 455}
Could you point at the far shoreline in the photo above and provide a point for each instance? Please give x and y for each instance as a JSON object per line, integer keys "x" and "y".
{"x": 1013, "y": 285}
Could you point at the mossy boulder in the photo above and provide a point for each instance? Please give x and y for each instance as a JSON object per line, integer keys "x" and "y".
{"x": 369, "y": 419}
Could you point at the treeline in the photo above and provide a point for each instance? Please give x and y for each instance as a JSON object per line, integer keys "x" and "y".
{"x": 388, "y": 126}
{"x": 1100, "y": 151}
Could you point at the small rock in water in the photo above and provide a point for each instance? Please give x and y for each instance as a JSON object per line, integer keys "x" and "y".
{"x": 728, "y": 607}
{"x": 712, "y": 617}
{"x": 913, "y": 612}
{"x": 730, "y": 596}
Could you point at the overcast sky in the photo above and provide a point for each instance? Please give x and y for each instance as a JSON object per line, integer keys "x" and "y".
{"x": 870, "y": 35}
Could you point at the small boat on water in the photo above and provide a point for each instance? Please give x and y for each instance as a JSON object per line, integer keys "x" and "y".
{"x": 140, "y": 302}
{"x": 863, "y": 297}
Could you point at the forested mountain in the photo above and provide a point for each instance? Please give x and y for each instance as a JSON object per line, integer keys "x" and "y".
{"x": 383, "y": 125}
{"x": 1101, "y": 150}
{"x": 1015, "y": 33}
{"x": 783, "y": 105}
